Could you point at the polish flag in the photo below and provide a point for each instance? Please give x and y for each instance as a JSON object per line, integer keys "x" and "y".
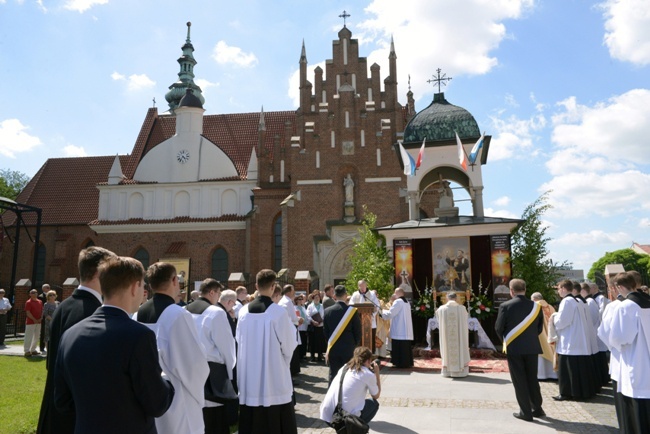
{"x": 420, "y": 155}
{"x": 462, "y": 157}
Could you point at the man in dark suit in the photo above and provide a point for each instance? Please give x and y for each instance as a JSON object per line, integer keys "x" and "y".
{"x": 519, "y": 323}
{"x": 340, "y": 351}
{"x": 107, "y": 370}
{"x": 83, "y": 303}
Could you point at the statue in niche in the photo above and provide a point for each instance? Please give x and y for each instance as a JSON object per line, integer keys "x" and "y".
{"x": 446, "y": 195}
{"x": 348, "y": 183}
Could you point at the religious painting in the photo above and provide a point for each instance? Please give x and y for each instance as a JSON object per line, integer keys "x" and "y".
{"x": 183, "y": 271}
{"x": 501, "y": 267}
{"x": 403, "y": 256}
{"x": 348, "y": 147}
{"x": 451, "y": 260}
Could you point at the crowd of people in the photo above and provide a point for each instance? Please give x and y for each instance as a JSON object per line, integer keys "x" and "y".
{"x": 231, "y": 357}
{"x": 225, "y": 357}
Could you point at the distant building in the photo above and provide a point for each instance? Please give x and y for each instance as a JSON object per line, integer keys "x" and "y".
{"x": 642, "y": 249}
{"x": 578, "y": 275}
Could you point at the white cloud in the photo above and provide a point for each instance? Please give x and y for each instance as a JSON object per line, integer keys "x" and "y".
{"x": 205, "y": 84}
{"x": 578, "y": 193}
{"x": 134, "y": 81}
{"x": 644, "y": 222}
{"x": 502, "y": 201}
{"x": 82, "y": 5}
{"x": 225, "y": 54}
{"x": 15, "y": 139}
{"x": 74, "y": 151}
{"x": 593, "y": 237}
{"x": 500, "y": 213}
{"x": 616, "y": 129}
{"x": 477, "y": 28}
{"x": 514, "y": 137}
{"x": 627, "y": 30}
{"x": 294, "y": 81}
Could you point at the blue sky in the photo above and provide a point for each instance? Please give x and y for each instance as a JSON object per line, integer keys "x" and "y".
{"x": 562, "y": 86}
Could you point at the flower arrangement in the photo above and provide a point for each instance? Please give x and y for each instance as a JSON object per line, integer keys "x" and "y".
{"x": 425, "y": 305}
{"x": 480, "y": 306}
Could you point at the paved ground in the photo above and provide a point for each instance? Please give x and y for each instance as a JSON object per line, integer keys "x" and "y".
{"x": 425, "y": 402}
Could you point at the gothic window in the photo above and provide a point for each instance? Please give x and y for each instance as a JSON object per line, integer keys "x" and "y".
{"x": 143, "y": 256}
{"x": 220, "y": 265}
{"x": 277, "y": 243}
{"x": 39, "y": 279}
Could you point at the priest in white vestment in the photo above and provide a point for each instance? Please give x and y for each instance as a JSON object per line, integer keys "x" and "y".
{"x": 546, "y": 360}
{"x": 401, "y": 330}
{"x": 454, "y": 338}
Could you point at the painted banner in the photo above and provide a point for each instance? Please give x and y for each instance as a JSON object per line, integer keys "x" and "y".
{"x": 451, "y": 266}
{"x": 403, "y": 257}
{"x": 501, "y": 267}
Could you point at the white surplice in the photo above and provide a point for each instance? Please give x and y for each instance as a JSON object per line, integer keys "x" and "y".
{"x": 604, "y": 334}
{"x": 401, "y": 324}
{"x": 219, "y": 346}
{"x": 287, "y": 303}
{"x": 570, "y": 323}
{"x": 368, "y": 297}
{"x": 629, "y": 334}
{"x": 183, "y": 361}
{"x": 266, "y": 344}
{"x": 454, "y": 340}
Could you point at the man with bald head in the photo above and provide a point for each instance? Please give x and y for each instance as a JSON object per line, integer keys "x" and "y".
{"x": 401, "y": 330}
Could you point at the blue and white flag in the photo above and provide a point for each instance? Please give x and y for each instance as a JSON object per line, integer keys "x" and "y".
{"x": 477, "y": 147}
{"x": 409, "y": 162}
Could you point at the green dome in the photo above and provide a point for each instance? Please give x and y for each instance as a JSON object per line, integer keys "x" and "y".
{"x": 441, "y": 121}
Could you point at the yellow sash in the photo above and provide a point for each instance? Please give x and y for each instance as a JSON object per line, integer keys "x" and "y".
{"x": 519, "y": 328}
{"x": 338, "y": 331}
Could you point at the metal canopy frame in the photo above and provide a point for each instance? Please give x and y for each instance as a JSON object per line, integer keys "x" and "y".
{"x": 19, "y": 209}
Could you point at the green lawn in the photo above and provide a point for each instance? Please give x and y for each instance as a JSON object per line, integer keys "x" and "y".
{"x": 22, "y": 383}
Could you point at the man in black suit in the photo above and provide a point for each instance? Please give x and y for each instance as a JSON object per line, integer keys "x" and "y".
{"x": 83, "y": 303}
{"x": 341, "y": 349}
{"x": 107, "y": 370}
{"x": 519, "y": 323}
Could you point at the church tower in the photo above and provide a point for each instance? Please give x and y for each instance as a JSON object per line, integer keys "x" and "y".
{"x": 185, "y": 76}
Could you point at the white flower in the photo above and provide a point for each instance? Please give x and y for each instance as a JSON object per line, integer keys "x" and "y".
{"x": 487, "y": 309}
{"x": 477, "y": 311}
{"x": 428, "y": 306}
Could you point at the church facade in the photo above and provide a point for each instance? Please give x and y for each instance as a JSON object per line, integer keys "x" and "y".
{"x": 219, "y": 194}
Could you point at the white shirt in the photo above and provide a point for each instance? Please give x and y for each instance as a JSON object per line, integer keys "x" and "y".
{"x": 237, "y": 308}
{"x": 368, "y": 297}
{"x": 266, "y": 344}
{"x": 401, "y": 324}
{"x": 356, "y": 385}
{"x": 5, "y": 306}
{"x": 287, "y": 303}
{"x": 183, "y": 361}
{"x": 218, "y": 345}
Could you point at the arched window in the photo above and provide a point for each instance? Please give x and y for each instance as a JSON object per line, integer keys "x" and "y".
{"x": 143, "y": 256}
{"x": 277, "y": 244}
{"x": 39, "y": 279}
{"x": 220, "y": 265}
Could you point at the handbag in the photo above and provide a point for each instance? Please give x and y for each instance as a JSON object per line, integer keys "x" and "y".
{"x": 344, "y": 422}
{"x": 218, "y": 387}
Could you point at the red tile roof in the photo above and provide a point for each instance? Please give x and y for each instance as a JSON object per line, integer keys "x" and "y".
{"x": 65, "y": 189}
{"x": 175, "y": 247}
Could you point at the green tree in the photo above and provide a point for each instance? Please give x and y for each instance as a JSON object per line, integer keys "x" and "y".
{"x": 628, "y": 258}
{"x": 12, "y": 183}
{"x": 530, "y": 260}
{"x": 370, "y": 260}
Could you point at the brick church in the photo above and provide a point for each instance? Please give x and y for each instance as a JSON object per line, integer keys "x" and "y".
{"x": 226, "y": 195}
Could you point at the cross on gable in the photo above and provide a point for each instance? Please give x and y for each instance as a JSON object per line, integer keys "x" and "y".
{"x": 344, "y": 15}
{"x": 439, "y": 79}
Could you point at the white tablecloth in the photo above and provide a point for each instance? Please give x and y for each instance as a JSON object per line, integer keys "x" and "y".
{"x": 473, "y": 324}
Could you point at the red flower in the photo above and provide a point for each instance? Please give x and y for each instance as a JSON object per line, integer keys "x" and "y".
{"x": 423, "y": 308}
{"x": 481, "y": 307}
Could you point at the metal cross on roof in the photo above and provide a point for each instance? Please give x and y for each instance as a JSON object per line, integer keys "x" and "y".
{"x": 439, "y": 79}
{"x": 344, "y": 15}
